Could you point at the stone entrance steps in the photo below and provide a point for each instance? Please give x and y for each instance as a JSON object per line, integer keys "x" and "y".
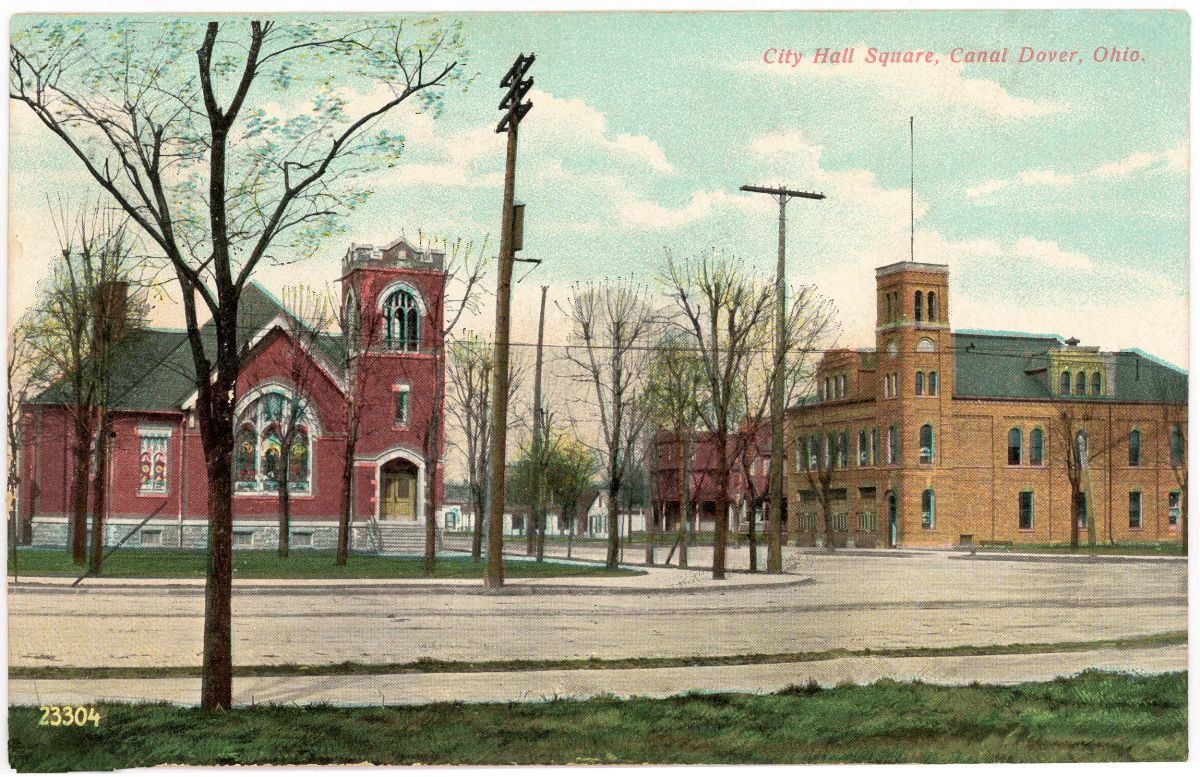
{"x": 406, "y": 538}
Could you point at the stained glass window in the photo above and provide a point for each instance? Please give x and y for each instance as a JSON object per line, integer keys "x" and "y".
{"x": 259, "y": 445}
{"x": 154, "y": 452}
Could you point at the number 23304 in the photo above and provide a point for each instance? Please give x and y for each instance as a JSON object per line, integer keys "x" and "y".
{"x": 80, "y": 715}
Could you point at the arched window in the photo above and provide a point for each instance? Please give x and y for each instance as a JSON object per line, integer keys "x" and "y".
{"x": 1135, "y": 448}
{"x": 1037, "y": 447}
{"x": 933, "y": 384}
{"x": 926, "y": 442}
{"x": 1081, "y": 383}
{"x": 888, "y": 302}
{"x": 928, "y": 509}
{"x": 1096, "y": 383}
{"x": 931, "y": 308}
{"x": 917, "y": 299}
{"x": 831, "y": 451}
{"x": 893, "y": 445}
{"x": 1064, "y": 383}
{"x": 920, "y": 384}
{"x": 844, "y": 450}
{"x": 1178, "y": 448}
{"x": 925, "y": 345}
{"x": 402, "y": 321}
{"x": 862, "y": 448}
{"x": 262, "y": 428}
{"x": 1081, "y": 449}
{"x": 1014, "y": 446}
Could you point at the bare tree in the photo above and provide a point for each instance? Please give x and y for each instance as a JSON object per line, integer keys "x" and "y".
{"x": 309, "y": 316}
{"x": 820, "y": 454}
{"x": 163, "y": 117}
{"x": 613, "y": 323}
{"x": 80, "y": 312}
{"x": 723, "y": 310}
{"x": 363, "y": 333}
{"x": 808, "y": 327}
{"x": 29, "y": 373}
{"x": 470, "y": 361}
{"x": 675, "y": 379}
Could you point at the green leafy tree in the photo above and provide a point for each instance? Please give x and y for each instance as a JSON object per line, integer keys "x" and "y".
{"x": 229, "y": 144}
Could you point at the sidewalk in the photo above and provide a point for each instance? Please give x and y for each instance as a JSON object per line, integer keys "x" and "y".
{"x": 365, "y": 690}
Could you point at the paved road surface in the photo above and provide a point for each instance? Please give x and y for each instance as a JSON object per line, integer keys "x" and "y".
{"x": 853, "y": 601}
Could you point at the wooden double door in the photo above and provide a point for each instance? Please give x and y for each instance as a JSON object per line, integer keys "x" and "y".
{"x": 398, "y": 491}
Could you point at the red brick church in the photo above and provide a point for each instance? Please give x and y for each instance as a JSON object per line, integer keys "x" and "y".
{"x": 158, "y": 490}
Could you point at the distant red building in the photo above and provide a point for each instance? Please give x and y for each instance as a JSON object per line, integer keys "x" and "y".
{"x": 157, "y": 459}
{"x": 746, "y": 451}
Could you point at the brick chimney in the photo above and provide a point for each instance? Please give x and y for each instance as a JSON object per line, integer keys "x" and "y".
{"x": 112, "y": 307}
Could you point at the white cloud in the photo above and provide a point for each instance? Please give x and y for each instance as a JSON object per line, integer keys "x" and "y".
{"x": 941, "y": 85}
{"x": 1171, "y": 160}
{"x": 1046, "y": 254}
{"x": 574, "y": 122}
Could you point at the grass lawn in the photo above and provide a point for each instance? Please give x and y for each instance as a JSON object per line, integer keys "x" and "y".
{"x": 261, "y": 564}
{"x": 1095, "y": 716}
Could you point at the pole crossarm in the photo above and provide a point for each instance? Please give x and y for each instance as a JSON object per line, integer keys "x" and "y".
{"x": 780, "y": 191}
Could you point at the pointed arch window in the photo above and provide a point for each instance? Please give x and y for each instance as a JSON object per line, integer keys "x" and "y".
{"x": 402, "y": 321}
{"x": 258, "y": 459}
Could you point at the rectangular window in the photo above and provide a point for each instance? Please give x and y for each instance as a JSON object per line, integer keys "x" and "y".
{"x": 155, "y": 455}
{"x": 862, "y": 448}
{"x": 1174, "y": 505}
{"x": 866, "y": 493}
{"x": 933, "y": 384}
{"x": 302, "y": 539}
{"x": 1135, "y": 509}
{"x": 875, "y": 446}
{"x": 402, "y": 407}
{"x": 243, "y": 538}
{"x": 838, "y": 494}
{"x": 151, "y": 537}
{"x": 893, "y": 445}
{"x": 1025, "y": 510}
{"x": 840, "y": 521}
{"x": 800, "y": 455}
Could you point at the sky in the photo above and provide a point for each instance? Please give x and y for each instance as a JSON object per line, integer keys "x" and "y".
{"x": 1056, "y": 192}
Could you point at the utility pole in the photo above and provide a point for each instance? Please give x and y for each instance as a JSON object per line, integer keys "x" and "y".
{"x": 775, "y": 544}
{"x": 539, "y": 446}
{"x": 515, "y": 110}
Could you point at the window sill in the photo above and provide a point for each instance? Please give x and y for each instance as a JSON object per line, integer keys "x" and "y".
{"x": 153, "y": 493}
{"x": 271, "y": 495}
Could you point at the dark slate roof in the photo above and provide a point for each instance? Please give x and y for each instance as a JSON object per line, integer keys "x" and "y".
{"x": 1144, "y": 378}
{"x": 153, "y": 368}
{"x": 998, "y": 364}
{"x": 1005, "y": 365}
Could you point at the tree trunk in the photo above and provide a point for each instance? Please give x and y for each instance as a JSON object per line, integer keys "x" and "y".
{"x": 285, "y": 496}
{"x": 753, "y": 538}
{"x": 683, "y": 502}
{"x": 216, "y": 684}
{"x": 614, "y": 528}
{"x": 651, "y": 527}
{"x": 1075, "y": 505}
{"x": 83, "y": 468}
{"x": 721, "y": 522}
{"x": 477, "y": 529}
{"x": 433, "y": 455}
{"x": 96, "y": 561}
{"x": 570, "y": 529}
{"x": 343, "y": 542}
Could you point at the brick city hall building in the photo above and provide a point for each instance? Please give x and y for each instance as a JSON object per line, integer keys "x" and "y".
{"x": 936, "y": 437}
{"x": 157, "y": 490}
